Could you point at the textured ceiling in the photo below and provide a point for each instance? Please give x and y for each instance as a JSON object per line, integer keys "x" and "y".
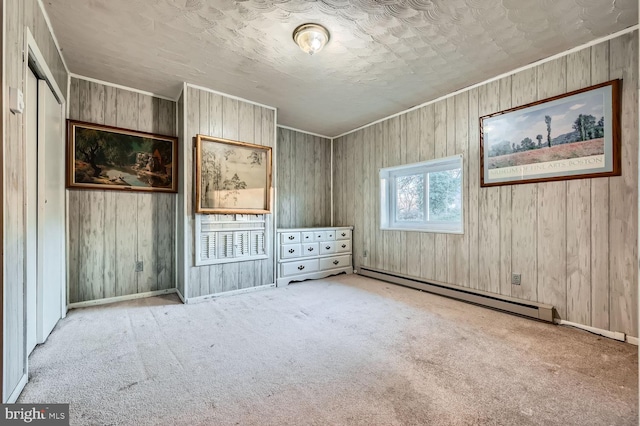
{"x": 384, "y": 56}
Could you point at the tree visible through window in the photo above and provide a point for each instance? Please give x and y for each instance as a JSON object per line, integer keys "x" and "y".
{"x": 423, "y": 196}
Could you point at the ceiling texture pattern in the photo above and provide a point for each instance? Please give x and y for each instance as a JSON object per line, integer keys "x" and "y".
{"x": 384, "y": 56}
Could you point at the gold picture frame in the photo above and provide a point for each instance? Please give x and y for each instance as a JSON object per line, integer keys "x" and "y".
{"x": 232, "y": 177}
{"x": 112, "y": 158}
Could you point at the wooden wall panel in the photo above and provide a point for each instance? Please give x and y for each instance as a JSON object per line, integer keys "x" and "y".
{"x": 552, "y": 207}
{"x": 524, "y": 205}
{"x": 573, "y": 242}
{"x": 489, "y": 207}
{"x": 216, "y": 115}
{"x": 623, "y": 192}
{"x": 579, "y": 213}
{"x": 599, "y": 273}
{"x": 304, "y": 180}
{"x": 110, "y": 231}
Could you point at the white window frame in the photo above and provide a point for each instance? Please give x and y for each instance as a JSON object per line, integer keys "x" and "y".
{"x": 388, "y": 177}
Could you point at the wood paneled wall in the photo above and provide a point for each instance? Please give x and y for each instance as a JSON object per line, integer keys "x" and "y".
{"x": 304, "y": 180}
{"x": 574, "y": 242}
{"x": 216, "y": 115}
{"x": 18, "y": 14}
{"x": 109, "y": 231}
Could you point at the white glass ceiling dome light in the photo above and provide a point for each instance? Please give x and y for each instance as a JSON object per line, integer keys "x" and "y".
{"x": 311, "y": 37}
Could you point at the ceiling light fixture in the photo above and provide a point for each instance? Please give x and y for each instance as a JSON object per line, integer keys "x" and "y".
{"x": 311, "y": 37}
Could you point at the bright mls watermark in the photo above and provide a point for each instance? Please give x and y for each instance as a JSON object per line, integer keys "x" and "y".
{"x": 35, "y": 414}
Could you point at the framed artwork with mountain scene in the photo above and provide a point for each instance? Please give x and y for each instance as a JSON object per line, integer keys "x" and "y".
{"x": 232, "y": 177}
{"x": 572, "y": 136}
{"x": 105, "y": 157}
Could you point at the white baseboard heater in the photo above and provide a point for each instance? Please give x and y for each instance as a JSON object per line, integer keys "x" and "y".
{"x": 504, "y": 303}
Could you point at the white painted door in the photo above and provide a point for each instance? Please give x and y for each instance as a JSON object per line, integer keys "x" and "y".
{"x": 31, "y": 243}
{"x": 51, "y": 213}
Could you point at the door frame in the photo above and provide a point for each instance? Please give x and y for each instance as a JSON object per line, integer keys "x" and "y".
{"x": 35, "y": 61}
{"x": 31, "y": 54}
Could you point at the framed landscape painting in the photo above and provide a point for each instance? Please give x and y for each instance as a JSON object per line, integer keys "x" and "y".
{"x": 104, "y": 157}
{"x": 572, "y": 136}
{"x": 232, "y": 177}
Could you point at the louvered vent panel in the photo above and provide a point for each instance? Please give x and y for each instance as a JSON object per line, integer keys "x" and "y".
{"x": 211, "y": 246}
{"x": 223, "y": 240}
{"x": 205, "y": 251}
{"x": 242, "y": 244}
{"x": 257, "y": 243}
{"x": 226, "y": 245}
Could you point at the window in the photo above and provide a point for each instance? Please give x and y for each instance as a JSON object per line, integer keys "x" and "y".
{"x": 423, "y": 196}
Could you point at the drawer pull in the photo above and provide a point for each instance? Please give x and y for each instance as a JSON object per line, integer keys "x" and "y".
{"x": 291, "y": 237}
{"x": 328, "y": 247}
{"x": 300, "y": 268}
{"x": 291, "y": 250}
{"x": 335, "y": 262}
{"x": 310, "y": 249}
{"x": 344, "y": 235}
{"x": 344, "y": 246}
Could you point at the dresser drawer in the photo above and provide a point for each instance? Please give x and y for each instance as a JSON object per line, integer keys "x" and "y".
{"x": 343, "y": 246}
{"x": 289, "y": 237}
{"x": 310, "y": 249}
{"x": 319, "y": 236}
{"x": 298, "y": 268}
{"x": 308, "y": 237}
{"x": 288, "y": 251}
{"x": 335, "y": 262}
{"x": 327, "y": 247}
{"x": 343, "y": 234}
{"x": 331, "y": 235}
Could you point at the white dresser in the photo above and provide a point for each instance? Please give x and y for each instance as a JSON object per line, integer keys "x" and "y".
{"x": 306, "y": 253}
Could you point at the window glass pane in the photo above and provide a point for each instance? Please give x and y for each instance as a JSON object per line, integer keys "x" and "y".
{"x": 410, "y": 198}
{"x": 445, "y": 198}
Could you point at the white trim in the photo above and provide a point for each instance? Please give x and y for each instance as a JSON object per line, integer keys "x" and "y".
{"x": 206, "y": 89}
{"x": 121, "y": 298}
{"x": 53, "y": 35}
{"x": 303, "y": 131}
{"x": 187, "y": 150}
{"x": 68, "y": 108}
{"x": 632, "y": 340}
{"x": 180, "y": 295}
{"x": 3, "y": 283}
{"x": 274, "y": 205}
{"x": 176, "y": 227}
{"x": 331, "y": 183}
{"x": 388, "y": 196}
{"x": 18, "y": 390}
{"x": 31, "y": 47}
{"x": 599, "y": 331}
{"x": 199, "y": 299}
{"x": 503, "y": 75}
{"x": 120, "y": 86}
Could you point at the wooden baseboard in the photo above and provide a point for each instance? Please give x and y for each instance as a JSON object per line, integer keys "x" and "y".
{"x": 198, "y": 299}
{"x": 120, "y": 298}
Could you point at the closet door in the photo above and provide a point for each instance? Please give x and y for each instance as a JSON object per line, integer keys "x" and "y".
{"x": 51, "y": 214}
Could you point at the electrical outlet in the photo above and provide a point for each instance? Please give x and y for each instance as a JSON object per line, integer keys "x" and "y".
{"x": 139, "y": 266}
{"x": 516, "y": 279}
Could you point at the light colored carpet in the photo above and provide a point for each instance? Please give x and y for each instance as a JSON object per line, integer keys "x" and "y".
{"x": 341, "y": 351}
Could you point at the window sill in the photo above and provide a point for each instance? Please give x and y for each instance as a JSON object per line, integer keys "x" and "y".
{"x": 432, "y": 231}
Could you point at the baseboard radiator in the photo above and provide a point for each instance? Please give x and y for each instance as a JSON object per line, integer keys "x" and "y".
{"x": 495, "y": 301}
